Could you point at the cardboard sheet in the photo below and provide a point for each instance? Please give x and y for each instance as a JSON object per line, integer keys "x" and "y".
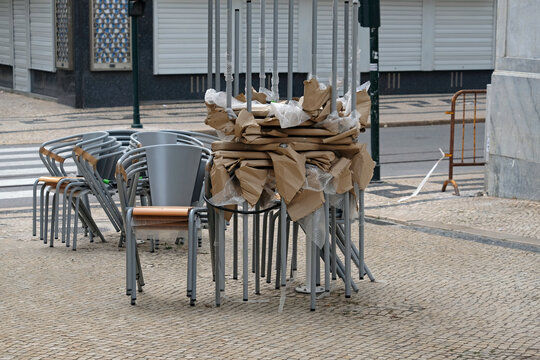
{"x": 342, "y": 175}
{"x": 327, "y": 109}
{"x": 245, "y": 120}
{"x": 363, "y": 106}
{"x": 349, "y": 133}
{"x": 219, "y": 119}
{"x": 304, "y": 203}
{"x": 314, "y": 97}
{"x": 362, "y": 166}
{"x": 290, "y": 171}
{"x": 297, "y": 146}
{"x": 295, "y": 139}
{"x": 252, "y": 182}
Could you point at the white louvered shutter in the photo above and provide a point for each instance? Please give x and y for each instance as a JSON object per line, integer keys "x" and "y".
{"x": 42, "y": 35}
{"x": 464, "y": 34}
{"x": 400, "y": 35}
{"x": 181, "y": 43}
{"x": 6, "y": 37}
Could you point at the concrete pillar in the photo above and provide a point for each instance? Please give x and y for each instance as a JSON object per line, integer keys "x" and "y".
{"x": 513, "y": 138}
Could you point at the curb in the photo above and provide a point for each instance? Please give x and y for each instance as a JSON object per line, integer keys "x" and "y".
{"x": 467, "y": 233}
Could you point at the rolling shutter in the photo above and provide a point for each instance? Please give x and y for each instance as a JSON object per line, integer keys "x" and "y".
{"x": 6, "y": 38}
{"x": 464, "y": 34}
{"x": 180, "y": 35}
{"x": 21, "y": 43}
{"x": 400, "y": 35}
{"x": 42, "y": 35}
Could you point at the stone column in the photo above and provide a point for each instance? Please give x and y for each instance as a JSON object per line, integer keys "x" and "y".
{"x": 513, "y": 129}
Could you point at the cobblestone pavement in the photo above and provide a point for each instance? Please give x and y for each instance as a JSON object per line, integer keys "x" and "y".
{"x": 472, "y": 211}
{"x": 435, "y": 297}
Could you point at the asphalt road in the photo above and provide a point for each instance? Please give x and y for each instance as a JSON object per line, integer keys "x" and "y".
{"x": 404, "y": 151}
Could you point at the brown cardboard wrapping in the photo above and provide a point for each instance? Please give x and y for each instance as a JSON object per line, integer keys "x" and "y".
{"x": 245, "y": 120}
{"x": 334, "y": 139}
{"x": 322, "y": 159}
{"x": 290, "y": 171}
{"x": 363, "y": 106}
{"x": 342, "y": 175}
{"x": 362, "y": 167}
{"x": 256, "y": 96}
{"x": 219, "y": 177}
{"x": 304, "y": 203}
{"x": 256, "y": 163}
{"x": 327, "y": 109}
{"x": 295, "y": 139}
{"x": 297, "y": 146}
{"x": 307, "y": 132}
{"x": 243, "y": 154}
{"x": 218, "y": 119}
{"x": 252, "y": 182}
{"x": 314, "y": 97}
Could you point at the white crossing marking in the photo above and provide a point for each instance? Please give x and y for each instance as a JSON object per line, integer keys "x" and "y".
{"x": 16, "y": 194}
{"x": 17, "y": 182}
{"x": 19, "y": 156}
{"x": 26, "y": 149}
{"x": 21, "y": 162}
{"x": 38, "y": 171}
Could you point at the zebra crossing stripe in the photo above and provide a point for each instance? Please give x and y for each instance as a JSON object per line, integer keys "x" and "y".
{"x": 33, "y": 171}
{"x": 5, "y": 195}
{"x": 19, "y": 150}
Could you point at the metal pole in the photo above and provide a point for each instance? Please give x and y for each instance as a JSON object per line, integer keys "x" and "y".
{"x": 135, "y": 71}
{"x": 283, "y": 252}
{"x": 361, "y": 228}
{"x": 346, "y": 50}
{"x": 228, "y": 69}
{"x": 248, "y": 64}
{"x": 245, "y": 231}
{"x": 218, "y": 47}
{"x": 346, "y": 213}
{"x": 290, "y": 53}
{"x": 236, "y": 52}
{"x": 314, "y": 39}
{"x": 334, "y": 54}
{"x": 262, "y": 47}
{"x": 354, "y": 50}
{"x": 210, "y": 40}
{"x": 374, "y": 92}
{"x": 275, "y": 73}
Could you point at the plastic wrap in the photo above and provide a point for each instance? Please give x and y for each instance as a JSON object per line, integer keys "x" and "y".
{"x": 220, "y": 99}
{"x": 314, "y": 226}
{"x": 230, "y": 195}
{"x": 270, "y": 95}
{"x": 289, "y": 114}
{"x": 337, "y": 124}
{"x": 318, "y": 180}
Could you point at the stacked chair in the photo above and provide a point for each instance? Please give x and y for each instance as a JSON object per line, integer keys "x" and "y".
{"x": 174, "y": 177}
{"x": 57, "y": 156}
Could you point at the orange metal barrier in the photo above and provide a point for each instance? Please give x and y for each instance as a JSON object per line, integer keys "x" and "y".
{"x": 452, "y": 160}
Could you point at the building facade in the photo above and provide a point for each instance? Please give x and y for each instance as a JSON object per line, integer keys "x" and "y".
{"x": 78, "y": 51}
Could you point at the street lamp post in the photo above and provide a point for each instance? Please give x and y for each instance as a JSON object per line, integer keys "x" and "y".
{"x": 369, "y": 15}
{"x": 135, "y": 10}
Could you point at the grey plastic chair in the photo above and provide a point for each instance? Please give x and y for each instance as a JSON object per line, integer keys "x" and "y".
{"x": 172, "y": 175}
{"x": 57, "y": 156}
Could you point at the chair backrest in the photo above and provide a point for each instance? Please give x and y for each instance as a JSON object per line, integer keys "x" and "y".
{"x": 150, "y": 138}
{"x": 172, "y": 173}
{"x": 205, "y": 139}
